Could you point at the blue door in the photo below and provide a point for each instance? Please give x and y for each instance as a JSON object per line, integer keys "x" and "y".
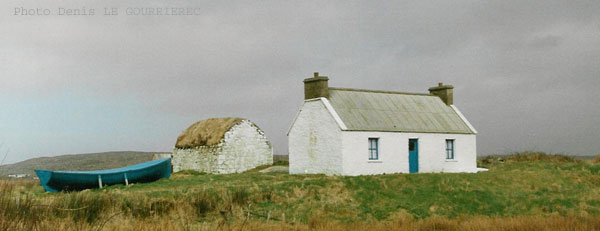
{"x": 413, "y": 155}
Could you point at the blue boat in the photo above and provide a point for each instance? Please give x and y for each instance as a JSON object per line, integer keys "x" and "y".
{"x": 54, "y": 181}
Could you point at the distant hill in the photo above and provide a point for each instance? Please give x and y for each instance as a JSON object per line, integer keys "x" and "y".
{"x": 89, "y": 161}
{"x": 585, "y": 157}
{"x": 580, "y": 157}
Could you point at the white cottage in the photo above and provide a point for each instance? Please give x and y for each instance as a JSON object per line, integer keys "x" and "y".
{"x": 341, "y": 131}
{"x": 220, "y": 146}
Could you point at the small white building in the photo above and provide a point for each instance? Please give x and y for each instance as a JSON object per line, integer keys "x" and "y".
{"x": 159, "y": 156}
{"x": 18, "y": 175}
{"x": 341, "y": 131}
{"x": 220, "y": 146}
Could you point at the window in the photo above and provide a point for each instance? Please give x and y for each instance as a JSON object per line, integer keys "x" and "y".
{"x": 450, "y": 149}
{"x": 411, "y": 144}
{"x": 373, "y": 148}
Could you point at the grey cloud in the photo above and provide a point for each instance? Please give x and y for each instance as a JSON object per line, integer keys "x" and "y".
{"x": 524, "y": 71}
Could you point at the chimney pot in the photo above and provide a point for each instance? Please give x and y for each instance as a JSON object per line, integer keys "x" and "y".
{"x": 440, "y": 84}
{"x": 316, "y": 74}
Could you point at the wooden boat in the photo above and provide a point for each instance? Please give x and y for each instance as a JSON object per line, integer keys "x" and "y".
{"x": 54, "y": 181}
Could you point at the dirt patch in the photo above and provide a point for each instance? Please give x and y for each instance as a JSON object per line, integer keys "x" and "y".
{"x": 279, "y": 169}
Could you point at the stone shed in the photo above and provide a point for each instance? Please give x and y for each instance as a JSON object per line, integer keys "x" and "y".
{"x": 221, "y": 146}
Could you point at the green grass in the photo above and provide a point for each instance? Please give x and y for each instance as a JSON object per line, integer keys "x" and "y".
{"x": 519, "y": 185}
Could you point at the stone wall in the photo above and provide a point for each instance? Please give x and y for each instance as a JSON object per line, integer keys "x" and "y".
{"x": 243, "y": 147}
{"x": 201, "y": 159}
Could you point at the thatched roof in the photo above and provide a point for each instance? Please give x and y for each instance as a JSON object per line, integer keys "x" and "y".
{"x": 206, "y": 132}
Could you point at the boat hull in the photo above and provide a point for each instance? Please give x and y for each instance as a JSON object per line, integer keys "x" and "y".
{"x": 54, "y": 181}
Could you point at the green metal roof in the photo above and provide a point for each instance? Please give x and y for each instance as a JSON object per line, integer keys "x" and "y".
{"x": 368, "y": 110}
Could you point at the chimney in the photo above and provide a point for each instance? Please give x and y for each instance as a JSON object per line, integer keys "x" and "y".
{"x": 316, "y": 87}
{"x": 445, "y": 92}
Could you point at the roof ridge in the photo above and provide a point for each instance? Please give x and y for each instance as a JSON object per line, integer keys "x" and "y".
{"x": 379, "y": 91}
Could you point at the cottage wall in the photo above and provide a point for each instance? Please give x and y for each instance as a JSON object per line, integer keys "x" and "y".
{"x": 393, "y": 152}
{"x": 243, "y": 147}
{"x": 315, "y": 141}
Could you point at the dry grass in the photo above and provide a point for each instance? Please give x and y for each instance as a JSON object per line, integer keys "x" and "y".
{"x": 597, "y": 160}
{"x": 206, "y": 132}
{"x": 403, "y": 224}
{"x": 179, "y": 218}
{"x": 529, "y": 192}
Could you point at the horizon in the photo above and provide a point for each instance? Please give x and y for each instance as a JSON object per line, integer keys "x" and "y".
{"x": 478, "y": 156}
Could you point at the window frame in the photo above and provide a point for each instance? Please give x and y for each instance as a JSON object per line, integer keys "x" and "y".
{"x": 375, "y": 150}
{"x": 450, "y": 150}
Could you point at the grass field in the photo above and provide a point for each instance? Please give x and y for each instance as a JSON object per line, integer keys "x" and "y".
{"x": 527, "y": 191}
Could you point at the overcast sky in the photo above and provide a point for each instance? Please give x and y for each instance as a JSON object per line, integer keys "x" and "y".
{"x": 526, "y": 73}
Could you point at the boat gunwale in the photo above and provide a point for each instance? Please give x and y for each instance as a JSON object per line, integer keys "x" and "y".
{"x": 130, "y": 168}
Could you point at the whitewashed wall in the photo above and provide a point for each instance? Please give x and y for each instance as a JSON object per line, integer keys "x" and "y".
{"x": 393, "y": 153}
{"x": 315, "y": 141}
{"x": 246, "y": 147}
{"x": 243, "y": 147}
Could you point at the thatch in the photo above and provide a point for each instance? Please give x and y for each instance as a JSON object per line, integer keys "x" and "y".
{"x": 206, "y": 132}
